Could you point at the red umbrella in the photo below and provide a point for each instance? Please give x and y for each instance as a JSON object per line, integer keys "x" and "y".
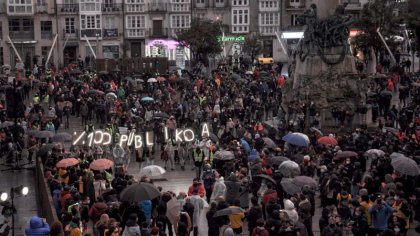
{"x": 66, "y": 162}
{"x": 101, "y": 164}
{"x": 327, "y": 140}
{"x": 344, "y": 154}
{"x": 160, "y": 79}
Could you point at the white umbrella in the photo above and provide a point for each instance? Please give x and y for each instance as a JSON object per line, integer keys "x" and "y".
{"x": 289, "y": 169}
{"x": 152, "y": 80}
{"x": 377, "y": 152}
{"x": 249, "y": 73}
{"x": 152, "y": 170}
{"x": 111, "y": 95}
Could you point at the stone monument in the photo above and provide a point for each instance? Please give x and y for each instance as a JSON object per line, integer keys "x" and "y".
{"x": 324, "y": 69}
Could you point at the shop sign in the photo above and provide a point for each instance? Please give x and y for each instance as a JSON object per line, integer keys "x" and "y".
{"x": 240, "y": 38}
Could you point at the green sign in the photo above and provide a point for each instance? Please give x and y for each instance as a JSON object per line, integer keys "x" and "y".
{"x": 239, "y": 38}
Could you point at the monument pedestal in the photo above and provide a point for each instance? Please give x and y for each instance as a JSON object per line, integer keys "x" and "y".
{"x": 314, "y": 65}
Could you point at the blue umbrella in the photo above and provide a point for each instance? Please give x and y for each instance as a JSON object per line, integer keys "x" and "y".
{"x": 245, "y": 145}
{"x": 253, "y": 155}
{"x": 147, "y": 99}
{"x": 297, "y": 139}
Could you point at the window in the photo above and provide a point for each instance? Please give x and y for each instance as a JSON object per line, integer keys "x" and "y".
{"x": 1, "y": 33}
{"x": 269, "y": 19}
{"x": 240, "y": 3}
{"x": 136, "y": 26}
{"x": 180, "y": 21}
{"x": 240, "y": 17}
{"x": 180, "y": 7}
{"x": 14, "y": 25}
{"x": 70, "y": 25}
{"x": 200, "y": 15}
{"x": 109, "y": 23}
{"x": 135, "y": 5}
{"x": 200, "y": 1}
{"x": 90, "y": 5}
{"x": 41, "y": 2}
{"x": 180, "y": 1}
{"x": 111, "y": 52}
{"x": 293, "y": 19}
{"x": 90, "y": 21}
{"x": 46, "y": 29}
{"x": 219, "y": 1}
{"x": 269, "y": 4}
{"x": 20, "y": 7}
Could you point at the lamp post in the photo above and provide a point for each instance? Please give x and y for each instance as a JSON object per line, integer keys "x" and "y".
{"x": 14, "y": 192}
{"x": 97, "y": 43}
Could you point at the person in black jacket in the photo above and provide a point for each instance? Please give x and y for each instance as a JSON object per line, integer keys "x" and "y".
{"x": 133, "y": 209}
{"x": 211, "y": 221}
{"x": 323, "y": 220}
{"x": 359, "y": 225}
{"x": 273, "y": 223}
{"x": 254, "y": 214}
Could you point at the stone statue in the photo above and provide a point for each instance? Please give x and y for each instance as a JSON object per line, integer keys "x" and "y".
{"x": 324, "y": 34}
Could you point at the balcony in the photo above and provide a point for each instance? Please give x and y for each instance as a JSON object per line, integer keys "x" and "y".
{"x": 300, "y": 5}
{"x": 46, "y": 35}
{"x": 71, "y": 36}
{"x": 111, "y": 7}
{"x": 176, "y": 31}
{"x": 158, "y": 32}
{"x": 157, "y": 7}
{"x": 68, "y": 8}
{"x": 110, "y": 33}
{"x": 90, "y": 33}
{"x": 22, "y": 35}
{"x": 41, "y": 8}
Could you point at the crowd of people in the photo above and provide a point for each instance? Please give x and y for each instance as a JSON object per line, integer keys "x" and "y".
{"x": 246, "y": 171}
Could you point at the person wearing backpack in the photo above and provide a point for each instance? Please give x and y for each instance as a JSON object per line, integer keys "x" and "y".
{"x": 343, "y": 206}
{"x": 209, "y": 178}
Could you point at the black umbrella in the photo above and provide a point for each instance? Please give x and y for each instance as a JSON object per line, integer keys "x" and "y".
{"x": 305, "y": 180}
{"x": 277, "y": 160}
{"x": 229, "y": 211}
{"x": 289, "y": 187}
{"x": 139, "y": 192}
{"x": 266, "y": 177}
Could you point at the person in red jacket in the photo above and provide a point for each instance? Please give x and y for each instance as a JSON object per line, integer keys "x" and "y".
{"x": 199, "y": 186}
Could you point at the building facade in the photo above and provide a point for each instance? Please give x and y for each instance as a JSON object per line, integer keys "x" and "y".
{"x": 139, "y": 28}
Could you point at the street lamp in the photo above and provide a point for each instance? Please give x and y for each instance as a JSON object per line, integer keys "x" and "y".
{"x": 4, "y": 196}
{"x": 14, "y": 192}
{"x": 97, "y": 43}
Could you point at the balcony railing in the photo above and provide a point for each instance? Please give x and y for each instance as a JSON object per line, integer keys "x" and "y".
{"x": 68, "y": 8}
{"x": 157, "y": 7}
{"x": 110, "y": 33}
{"x": 158, "y": 32}
{"x": 112, "y": 7}
{"x": 2, "y": 8}
{"x": 25, "y": 35}
{"x": 46, "y": 35}
{"x": 91, "y": 33}
{"x": 295, "y": 5}
{"x": 70, "y": 36}
{"x": 41, "y": 8}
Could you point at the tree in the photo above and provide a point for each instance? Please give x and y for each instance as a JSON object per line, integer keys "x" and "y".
{"x": 376, "y": 14}
{"x": 202, "y": 39}
{"x": 413, "y": 21}
{"x": 252, "y": 46}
